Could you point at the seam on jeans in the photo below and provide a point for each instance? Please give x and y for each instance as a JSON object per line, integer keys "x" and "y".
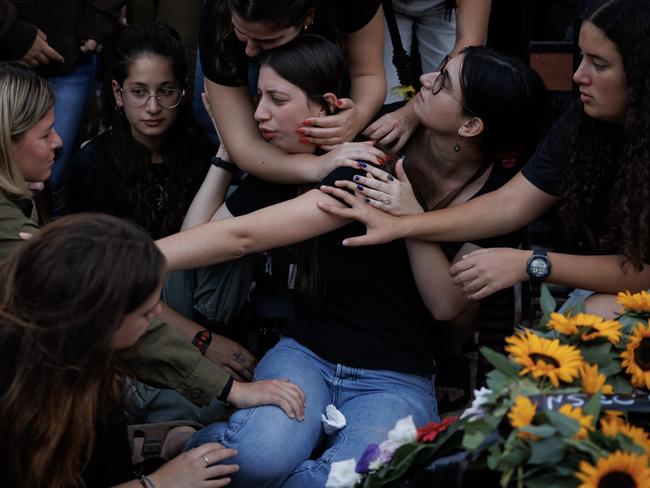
{"x": 231, "y": 431}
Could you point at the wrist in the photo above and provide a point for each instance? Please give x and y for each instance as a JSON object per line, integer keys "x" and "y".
{"x": 202, "y": 340}
{"x": 226, "y": 393}
{"x": 219, "y": 162}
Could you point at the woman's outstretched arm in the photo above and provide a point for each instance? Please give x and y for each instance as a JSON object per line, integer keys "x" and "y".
{"x": 514, "y": 205}
{"x": 278, "y": 225}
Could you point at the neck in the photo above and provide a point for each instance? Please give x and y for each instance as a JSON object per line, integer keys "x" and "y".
{"x": 154, "y": 144}
{"x": 451, "y": 164}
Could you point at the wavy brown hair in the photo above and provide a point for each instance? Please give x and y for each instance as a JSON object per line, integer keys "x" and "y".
{"x": 61, "y": 302}
{"x": 601, "y": 153}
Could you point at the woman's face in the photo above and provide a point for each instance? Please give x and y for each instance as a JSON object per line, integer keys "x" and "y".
{"x": 35, "y": 150}
{"x": 135, "y": 323}
{"x": 281, "y": 110}
{"x": 600, "y": 76}
{"x": 149, "y": 76}
{"x": 441, "y": 111}
{"x": 262, "y": 36}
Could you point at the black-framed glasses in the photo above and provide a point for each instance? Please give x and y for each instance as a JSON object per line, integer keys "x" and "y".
{"x": 166, "y": 97}
{"x": 441, "y": 81}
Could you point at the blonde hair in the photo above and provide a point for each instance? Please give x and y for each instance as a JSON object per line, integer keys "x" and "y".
{"x": 25, "y": 98}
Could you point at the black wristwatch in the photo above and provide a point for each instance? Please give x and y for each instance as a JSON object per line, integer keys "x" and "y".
{"x": 222, "y": 163}
{"x": 538, "y": 266}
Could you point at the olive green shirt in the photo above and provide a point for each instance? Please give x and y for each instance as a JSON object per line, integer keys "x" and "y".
{"x": 16, "y": 215}
{"x": 165, "y": 358}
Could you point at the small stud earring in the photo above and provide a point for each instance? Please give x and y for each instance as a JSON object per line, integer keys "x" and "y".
{"x": 457, "y": 145}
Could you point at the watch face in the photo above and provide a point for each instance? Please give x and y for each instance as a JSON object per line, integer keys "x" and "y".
{"x": 538, "y": 267}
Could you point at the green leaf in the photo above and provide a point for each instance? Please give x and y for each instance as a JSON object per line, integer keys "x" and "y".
{"x": 547, "y": 451}
{"x": 542, "y": 431}
{"x": 551, "y": 480}
{"x": 497, "y": 381}
{"x": 515, "y": 456}
{"x": 593, "y": 450}
{"x": 621, "y": 384}
{"x": 475, "y": 434}
{"x": 566, "y": 426}
{"x": 546, "y": 301}
{"x": 500, "y": 362}
{"x": 628, "y": 445}
{"x": 601, "y": 354}
{"x": 592, "y": 407}
{"x": 610, "y": 369}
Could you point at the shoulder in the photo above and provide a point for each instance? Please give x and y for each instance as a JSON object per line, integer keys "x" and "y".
{"x": 15, "y": 216}
{"x": 94, "y": 150}
{"x": 354, "y": 16}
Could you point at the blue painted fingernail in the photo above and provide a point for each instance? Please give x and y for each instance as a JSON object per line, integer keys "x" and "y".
{"x": 356, "y": 178}
{"x": 363, "y": 165}
{"x": 367, "y": 200}
{"x": 390, "y": 178}
{"x": 359, "y": 187}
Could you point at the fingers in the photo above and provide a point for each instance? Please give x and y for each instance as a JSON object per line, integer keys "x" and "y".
{"x": 401, "y": 142}
{"x": 399, "y": 171}
{"x": 25, "y": 236}
{"x": 368, "y": 193}
{"x": 347, "y": 197}
{"x": 52, "y": 54}
{"x": 213, "y": 451}
{"x": 289, "y": 397}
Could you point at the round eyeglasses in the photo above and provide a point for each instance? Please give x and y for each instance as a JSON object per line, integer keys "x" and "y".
{"x": 166, "y": 97}
{"x": 441, "y": 80}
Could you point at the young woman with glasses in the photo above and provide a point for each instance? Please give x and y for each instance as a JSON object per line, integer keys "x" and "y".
{"x": 594, "y": 163}
{"x": 151, "y": 162}
{"x": 363, "y": 334}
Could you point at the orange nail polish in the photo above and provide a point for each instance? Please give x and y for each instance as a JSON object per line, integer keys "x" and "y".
{"x": 339, "y": 102}
{"x": 300, "y": 130}
{"x": 304, "y": 140}
{"x": 306, "y": 122}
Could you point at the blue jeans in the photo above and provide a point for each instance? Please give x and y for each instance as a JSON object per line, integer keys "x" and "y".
{"x": 274, "y": 450}
{"x": 71, "y": 92}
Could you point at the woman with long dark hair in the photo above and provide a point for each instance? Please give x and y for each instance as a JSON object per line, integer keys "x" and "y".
{"x": 361, "y": 341}
{"x": 235, "y": 33}
{"x": 150, "y": 163}
{"x": 64, "y": 315}
{"x": 594, "y": 162}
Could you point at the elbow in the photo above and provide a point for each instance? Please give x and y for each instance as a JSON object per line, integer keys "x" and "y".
{"x": 445, "y": 314}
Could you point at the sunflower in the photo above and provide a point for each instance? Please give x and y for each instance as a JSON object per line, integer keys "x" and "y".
{"x": 611, "y": 427}
{"x": 590, "y": 326}
{"x": 562, "y": 324}
{"x": 544, "y": 357}
{"x": 593, "y": 382}
{"x": 586, "y": 421}
{"x": 521, "y": 415}
{"x": 636, "y": 357}
{"x": 618, "y": 470}
{"x": 637, "y": 302}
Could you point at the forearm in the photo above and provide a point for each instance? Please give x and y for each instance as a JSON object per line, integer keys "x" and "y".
{"x": 233, "y": 113}
{"x": 430, "y": 268}
{"x": 602, "y": 274}
{"x": 471, "y": 23}
{"x": 368, "y": 93}
{"x": 209, "y": 197}
{"x": 182, "y": 324}
{"x": 505, "y": 210}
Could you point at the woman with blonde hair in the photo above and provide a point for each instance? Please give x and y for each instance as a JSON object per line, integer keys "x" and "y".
{"x": 28, "y": 148}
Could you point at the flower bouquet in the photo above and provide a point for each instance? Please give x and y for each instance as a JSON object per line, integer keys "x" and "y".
{"x": 559, "y": 411}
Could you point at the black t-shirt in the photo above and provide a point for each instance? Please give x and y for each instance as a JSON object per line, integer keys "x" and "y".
{"x": 370, "y": 314}
{"x": 350, "y": 17}
{"x": 546, "y": 170}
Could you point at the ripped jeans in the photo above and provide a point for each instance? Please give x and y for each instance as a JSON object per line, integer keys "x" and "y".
{"x": 274, "y": 450}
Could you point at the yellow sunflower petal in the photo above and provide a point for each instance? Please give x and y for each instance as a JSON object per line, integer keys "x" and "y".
{"x": 634, "y": 302}
{"x": 616, "y": 470}
{"x": 521, "y": 415}
{"x": 586, "y": 421}
{"x": 636, "y": 357}
{"x": 593, "y": 381}
{"x": 611, "y": 427}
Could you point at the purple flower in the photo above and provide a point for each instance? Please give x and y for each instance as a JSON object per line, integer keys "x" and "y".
{"x": 369, "y": 455}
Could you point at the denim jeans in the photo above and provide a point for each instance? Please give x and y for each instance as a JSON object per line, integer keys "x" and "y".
{"x": 274, "y": 450}
{"x": 71, "y": 92}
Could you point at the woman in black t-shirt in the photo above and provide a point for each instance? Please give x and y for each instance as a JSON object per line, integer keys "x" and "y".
{"x": 71, "y": 297}
{"x": 361, "y": 340}
{"x": 594, "y": 161}
{"x": 234, "y": 33}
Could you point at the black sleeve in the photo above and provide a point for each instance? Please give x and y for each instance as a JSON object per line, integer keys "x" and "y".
{"x": 546, "y": 167}
{"x": 89, "y": 183}
{"x": 208, "y": 51}
{"x": 355, "y": 15}
{"x": 254, "y": 194}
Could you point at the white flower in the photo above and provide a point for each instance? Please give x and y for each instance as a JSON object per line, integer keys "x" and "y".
{"x": 476, "y": 412}
{"x": 343, "y": 475}
{"x": 404, "y": 431}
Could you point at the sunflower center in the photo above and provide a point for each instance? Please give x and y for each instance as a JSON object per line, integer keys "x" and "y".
{"x": 547, "y": 359}
{"x": 617, "y": 480}
{"x": 642, "y": 354}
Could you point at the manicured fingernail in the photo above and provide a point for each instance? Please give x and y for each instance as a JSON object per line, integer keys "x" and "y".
{"x": 390, "y": 178}
{"x": 300, "y": 130}
{"x": 367, "y": 200}
{"x": 339, "y": 102}
{"x": 359, "y": 187}
{"x": 306, "y": 122}
{"x": 363, "y": 165}
{"x": 356, "y": 178}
